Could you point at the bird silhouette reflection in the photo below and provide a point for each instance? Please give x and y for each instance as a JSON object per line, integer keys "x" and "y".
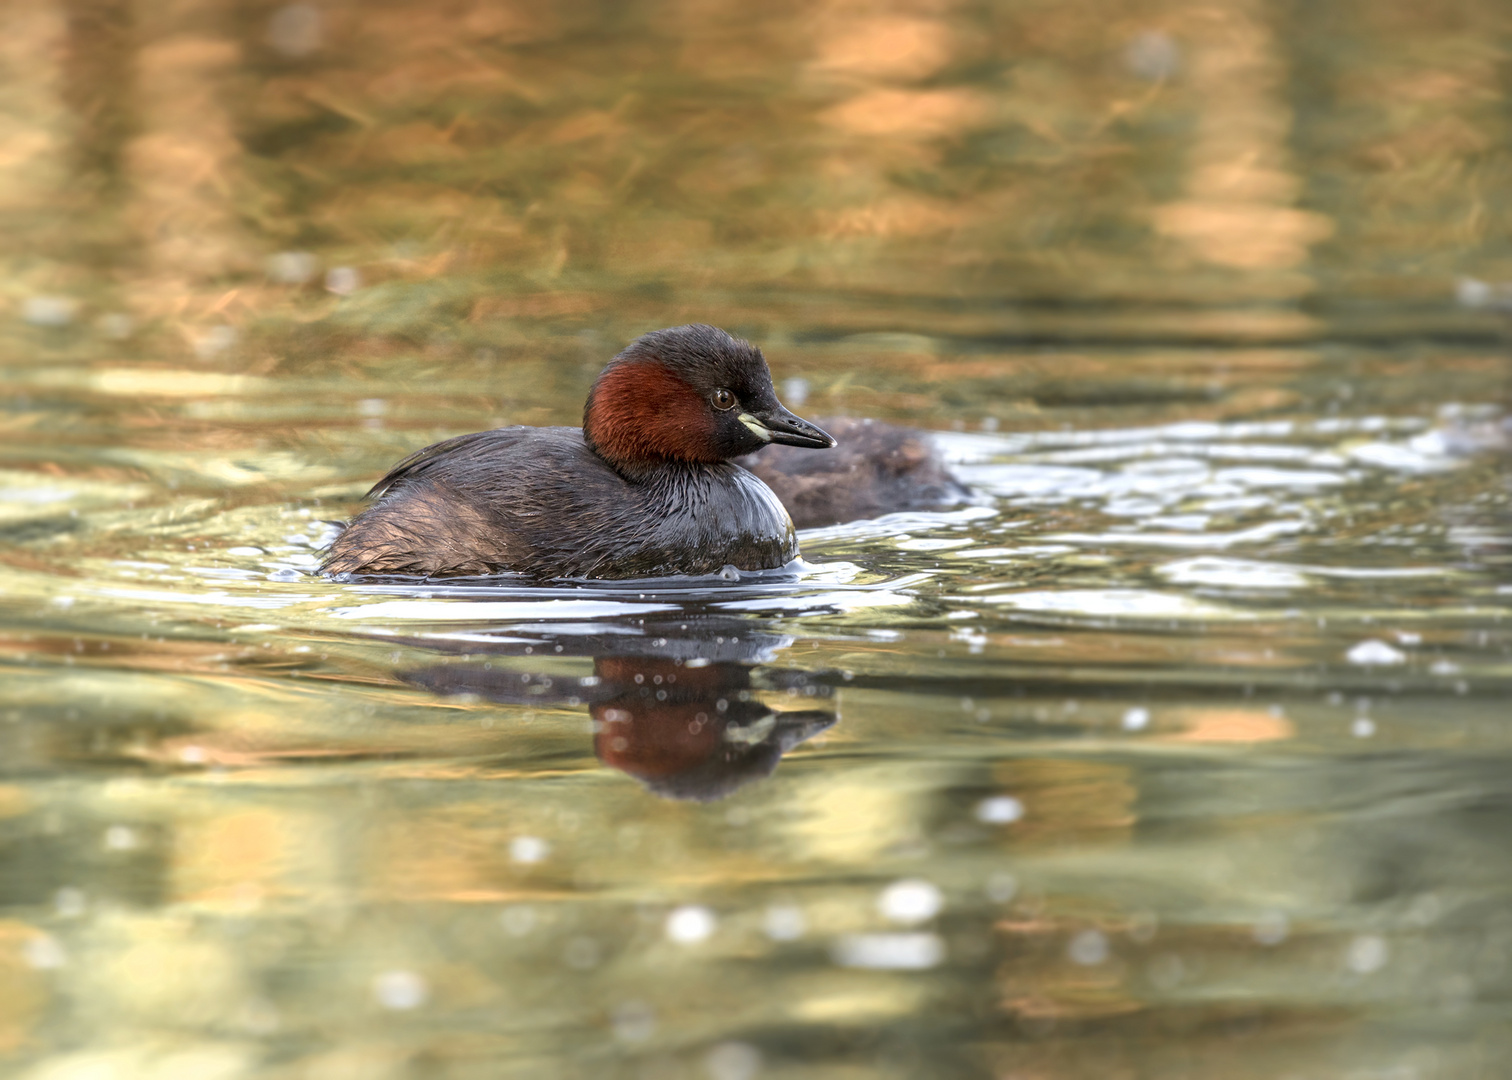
{"x": 681, "y": 712}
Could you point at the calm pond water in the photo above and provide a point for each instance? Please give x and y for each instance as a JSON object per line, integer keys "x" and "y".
{"x": 1183, "y": 752}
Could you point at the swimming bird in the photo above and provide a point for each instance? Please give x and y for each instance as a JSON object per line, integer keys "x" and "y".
{"x": 646, "y": 487}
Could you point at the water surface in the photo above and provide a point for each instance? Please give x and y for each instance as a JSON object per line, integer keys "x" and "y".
{"x": 1182, "y": 752}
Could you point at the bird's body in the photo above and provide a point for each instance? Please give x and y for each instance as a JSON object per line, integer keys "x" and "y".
{"x": 645, "y": 488}
{"x": 538, "y": 501}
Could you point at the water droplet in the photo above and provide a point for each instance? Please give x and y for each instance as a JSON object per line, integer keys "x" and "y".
{"x": 294, "y": 30}
{"x": 343, "y": 280}
{"x": 1367, "y": 954}
{"x": 912, "y": 900}
{"x": 1167, "y": 972}
{"x": 45, "y": 953}
{"x": 121, "y": 838}
{"x": 785, "y": 922}
{"x": 733, "y": 1061}
{"x": 581, "y": 953}
{"x": 1272, "y": 928}
{"x": 518, "y": 919}
{"x": 633, "y": 1022}
{"x": 1088, "y": 948}
{"x": 292, "y": 267}
{"x": 1374, "y": 652}
{"x": 400, "y": 990}
{"x": 690, "y": 924}
{"x": 1001, "y": 888}
{"x": 889, "y": 952}
{"x": 54, "y": 312}
{"x": 1153, "y": 56}
{"x": 528, "y": 849}
{"x": 116, "y": 325}
{"x": 1000, "y": 810}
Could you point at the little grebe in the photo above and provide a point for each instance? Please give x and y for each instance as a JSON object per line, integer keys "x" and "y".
{"x": 645, "y": 488}
{"x": 879, "y": 469}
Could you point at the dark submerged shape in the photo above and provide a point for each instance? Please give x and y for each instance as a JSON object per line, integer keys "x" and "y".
{"x": 646, "y": 487}
{"x": 879, "y": 469}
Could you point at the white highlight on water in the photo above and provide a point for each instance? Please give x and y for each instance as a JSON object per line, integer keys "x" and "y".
{"x": 690, "y": 924}
{"x": 889, "y": 952}
{"x": 400, "y": 990}
{"x": 910, "y": 901}
{"x": 1375, "y": 653}
{"x": 1000, "y": 810}
{"x": 529, "y": 849}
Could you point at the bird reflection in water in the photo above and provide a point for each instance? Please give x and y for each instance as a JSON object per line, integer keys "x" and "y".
{"x": 666, "y": 711}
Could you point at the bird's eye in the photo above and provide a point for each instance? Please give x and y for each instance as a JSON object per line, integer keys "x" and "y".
{"x": 722, "y": 399}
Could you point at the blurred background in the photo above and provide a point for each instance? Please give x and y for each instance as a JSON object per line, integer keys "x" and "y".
{"x": 1182, "y": 752}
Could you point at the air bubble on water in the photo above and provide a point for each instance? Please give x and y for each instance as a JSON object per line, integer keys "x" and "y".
{"x": 121, "y": 838}
{"x": 909, "y": 901}
{"x": 54, "y": 312}
{"x": 44, "y": 953}
{"x": 1136, "y": 719}
{"x": 795, "y": 391}
{"x": 1367, "y": 954}
{"x": 1363, "y": 727}
{"x": 732, "y": 1061}
{"x": 1375, "y": 653}
{"x": 1474, "y": 293}
{"x": 294, "y": 30}
{"x": 889, "y": 952}
{"x": 1088, "y": 948}
{"x": 1002, "y": 887}
{"x": 690, "y": 924}
{"x": 116, "y": 325}
{"x": 729, "y": 572}
{"x": 1272, "y": 928}
{"x": 292, "y": 267}
{"x": 400, "y": 990}
{"x": 1000, "y": 810}
{"x": 343, "y": 280}
{"x": 785, "y": 922}
{"x": 214, "y": 341}
{"x": 1153, "y": 56}
{"x": 633, "y": 1021}
{"x": 1166, "y": 972}
{"x": 518, "y": 919}
{"x": 581, "y": 953}
{"x": 529, "y": 849}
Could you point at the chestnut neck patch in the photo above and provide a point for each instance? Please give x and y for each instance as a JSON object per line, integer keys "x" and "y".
{"x": 640, "y": 413}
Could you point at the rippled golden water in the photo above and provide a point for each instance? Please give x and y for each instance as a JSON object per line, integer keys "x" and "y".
{"x": 1183, "y": 752}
